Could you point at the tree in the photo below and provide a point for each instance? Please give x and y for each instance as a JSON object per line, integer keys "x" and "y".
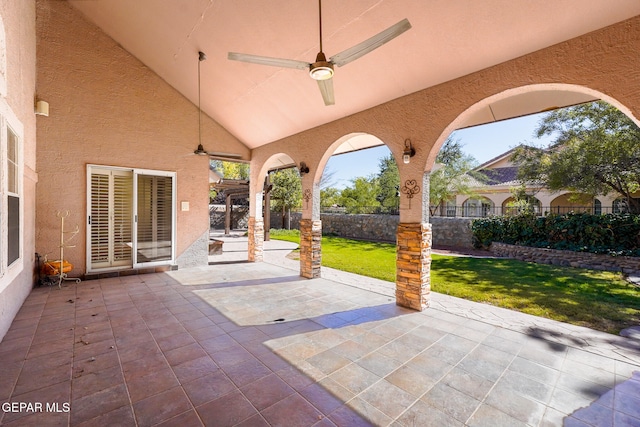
{"x": 389, "y": 181}
{"x": 361, "y": 196}
{"x": 327, "y": 179}
{"x": 329, "y": 197}
{"x": 522, "y": 202}
{"x": 231, "y": 170}
{"x": 596, "y": 151}
{"x": 286, "y": 192}
{"x": 451, "y": 175}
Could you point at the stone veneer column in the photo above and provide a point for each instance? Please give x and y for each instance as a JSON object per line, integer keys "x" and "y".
{"x": 256, "y": 239}
{"x": 310, "y": 248}
{"x": 413, "y": 264}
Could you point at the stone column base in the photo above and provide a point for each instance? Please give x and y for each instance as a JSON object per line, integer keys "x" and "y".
{"x": 310, "y": 248}
{"x": 413, "y": 265}
{"x": 256, "y": 239}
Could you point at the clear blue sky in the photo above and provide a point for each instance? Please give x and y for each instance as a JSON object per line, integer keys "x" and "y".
{"x": 482, "y": 142}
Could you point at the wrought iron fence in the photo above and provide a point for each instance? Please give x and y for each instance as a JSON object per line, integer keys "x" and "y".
{"x": 472, "y": 211}
{"x": 371, "y": 210}
{"x": 476, "y": 211}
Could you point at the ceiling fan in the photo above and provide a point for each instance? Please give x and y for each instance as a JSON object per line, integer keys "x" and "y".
{"x": 322, "y": 69}
{"x": 200, "y": 151}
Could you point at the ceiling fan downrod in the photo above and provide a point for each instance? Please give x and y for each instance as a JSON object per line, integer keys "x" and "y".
{"x": 321, "y": 69}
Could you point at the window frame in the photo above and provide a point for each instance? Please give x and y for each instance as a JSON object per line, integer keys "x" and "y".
{"x": 134, "y": 235}
{"x": 9, "y": 121}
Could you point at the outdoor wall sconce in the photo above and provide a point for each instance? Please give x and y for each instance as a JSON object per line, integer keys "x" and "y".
{"x": 409, "y": 151}
{"x": 42, "y": 108}
{"x": 304, "y": 169}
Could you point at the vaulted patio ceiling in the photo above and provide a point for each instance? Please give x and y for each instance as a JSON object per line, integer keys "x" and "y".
{"x": 260, "y": 104}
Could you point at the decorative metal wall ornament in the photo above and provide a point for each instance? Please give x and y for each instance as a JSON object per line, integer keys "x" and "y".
{"x": 410, "y": 188}
{"x": 307, "y": 196}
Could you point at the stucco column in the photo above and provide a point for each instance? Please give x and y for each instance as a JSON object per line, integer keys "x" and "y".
{"x": 310, "y": 231}
{"x": 413, "y": 265}
{"x": 413, "y": 250}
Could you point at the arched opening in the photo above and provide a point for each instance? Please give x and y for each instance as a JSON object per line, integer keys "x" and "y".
{"x": 515, "y": 206}
{"x": 259, "y": 199}
{"x": 521, "y": 102}
{"x": 340, "y": 210}
{"x": 496, "y": 176}
{"x": 477, "y": 207}
{"x": 573, "y": 202}
{"x": 280, "y": 195}
{"x": 359, "y": 176}
{"x": 500, "y": 186}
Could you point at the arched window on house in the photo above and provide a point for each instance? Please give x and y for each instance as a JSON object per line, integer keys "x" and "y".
{"x": 477, "y": 207}
{"x": 620, "y": 205}
{"x": 511, "y": 206}
{"x": 597, "y": 207}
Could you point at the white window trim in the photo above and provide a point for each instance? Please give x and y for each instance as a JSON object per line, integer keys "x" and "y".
{"x": 8, "y": 119}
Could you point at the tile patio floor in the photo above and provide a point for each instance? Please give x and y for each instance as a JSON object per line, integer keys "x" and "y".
{"x": 256, "y": 345}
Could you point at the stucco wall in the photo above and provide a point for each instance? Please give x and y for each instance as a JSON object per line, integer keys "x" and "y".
{"x": 20, "y": 38}
{"x": 108, "y": 108}
{"x": 604, "y": 64}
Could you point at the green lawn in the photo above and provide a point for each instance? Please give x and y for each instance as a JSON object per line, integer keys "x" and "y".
{"x": 595, "y": 299}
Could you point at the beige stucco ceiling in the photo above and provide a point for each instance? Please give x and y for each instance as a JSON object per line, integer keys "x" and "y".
{"x": 261, "y": 104}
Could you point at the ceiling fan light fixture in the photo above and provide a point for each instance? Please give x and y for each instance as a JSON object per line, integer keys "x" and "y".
{"x": 320, "y": 72}
{"x": 321, "y": 69}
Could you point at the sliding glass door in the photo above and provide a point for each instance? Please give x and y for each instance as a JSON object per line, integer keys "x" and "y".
{"x": 154, "y": 237}
{"x": 131, "y": 218}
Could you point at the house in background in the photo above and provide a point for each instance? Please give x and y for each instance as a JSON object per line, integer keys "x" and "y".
{"x": 492, "y": 185}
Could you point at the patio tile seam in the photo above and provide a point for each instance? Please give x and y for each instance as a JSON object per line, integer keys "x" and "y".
{"x": 194, "y": 407}
{"x": 130, "y": 402}
{"x": 125, "y": 382}
{"x": 484, "y": 399}
{"x": 418, "y": 398}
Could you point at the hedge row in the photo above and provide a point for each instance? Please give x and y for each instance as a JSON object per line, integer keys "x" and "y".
{"x": 614, "y": 234}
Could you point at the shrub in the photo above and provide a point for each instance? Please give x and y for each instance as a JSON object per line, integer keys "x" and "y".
{"x": 614, "y": 234}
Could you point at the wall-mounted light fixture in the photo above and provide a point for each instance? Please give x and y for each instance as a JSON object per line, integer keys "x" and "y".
{"x": 409, "y": 151}
{"x": 42, "y": 108}
{"x": 304, "y": 169}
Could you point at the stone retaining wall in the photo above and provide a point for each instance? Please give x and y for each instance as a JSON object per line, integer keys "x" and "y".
{"x": 366, "y": 227}
{"x": 452, "y": 232}
{"x": 628, "y": 265}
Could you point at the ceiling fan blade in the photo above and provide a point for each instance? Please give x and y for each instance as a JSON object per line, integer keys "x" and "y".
{"x": 326, "y": 89}
{"x": 265, "y": 60}
{"x": 370, "y": 44}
